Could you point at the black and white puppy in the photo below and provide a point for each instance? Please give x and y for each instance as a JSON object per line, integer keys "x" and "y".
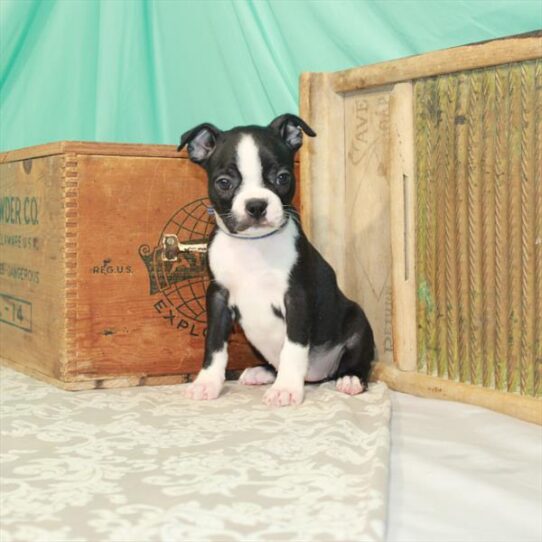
{"x": 267, "y": 275}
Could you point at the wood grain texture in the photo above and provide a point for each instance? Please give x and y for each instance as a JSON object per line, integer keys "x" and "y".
{"x": 449, "y": 99}
{"x": 522, "y": 407}
{"x": 468, "y": 57}
{"x": 489, "y": 129}
{"x": 514, "y": 227}
{"x": 335, "y": 190}
{"x": 483, "y": 284}
{"x": 366, "y": 212}
{"x": 502, "y": 113}
{"x": 113, "y": 382}
{"x": 537, "y": 178}
{"x": 461, "y": 184}
{"x": 95, "y": 148}
{"x": 322, "y": 179}
{"x": 441, "y": 167}
{"x": 92, "y": 147}
{"x": 424, "y": 140}
{"x": 306, "y": 112}
{"x": 70, "y": 188}
{"x": 403, "y": 226}
{"x": 528, "y": 234}
{"x": 474, "y": 226}
{"x": 423, "y": 305}
{"x": 32, "y": 281}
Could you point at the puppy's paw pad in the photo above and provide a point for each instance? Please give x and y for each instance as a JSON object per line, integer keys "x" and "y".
{"x": 282, "y": 397}
{"x": 255, "y": 376}
{"x": 202, "y": 391}
{"x": 351, "y": 385}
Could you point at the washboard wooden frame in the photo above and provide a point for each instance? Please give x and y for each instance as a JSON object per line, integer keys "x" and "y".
{"x": 382, "y": 130}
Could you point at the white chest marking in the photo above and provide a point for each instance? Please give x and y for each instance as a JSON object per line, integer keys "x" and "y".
{"x": 255, "y": 272}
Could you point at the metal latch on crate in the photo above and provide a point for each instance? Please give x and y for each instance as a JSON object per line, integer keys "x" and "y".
{"x": 172, "y": 247}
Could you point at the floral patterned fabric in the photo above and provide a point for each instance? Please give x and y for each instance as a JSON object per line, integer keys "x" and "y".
{"x": 146, "y": 464}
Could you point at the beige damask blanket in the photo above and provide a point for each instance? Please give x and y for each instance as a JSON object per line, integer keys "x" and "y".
{"x": 145, "y": 464}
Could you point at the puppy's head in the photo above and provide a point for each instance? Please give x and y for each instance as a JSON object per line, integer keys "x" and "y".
{"x": 250, "y": 171}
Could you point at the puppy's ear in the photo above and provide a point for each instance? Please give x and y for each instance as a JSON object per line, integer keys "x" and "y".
{"x": 290, "y": 128}
{"x": 201, "y": 141}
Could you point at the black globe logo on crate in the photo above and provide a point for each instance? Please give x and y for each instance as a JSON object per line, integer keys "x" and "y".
{"x": 177, "y": 267}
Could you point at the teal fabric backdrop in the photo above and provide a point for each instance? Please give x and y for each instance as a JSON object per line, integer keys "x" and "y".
{"x": 144, "y": 71}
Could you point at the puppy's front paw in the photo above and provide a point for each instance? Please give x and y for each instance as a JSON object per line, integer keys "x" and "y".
{"x": 203, "y": 389}
{"x": 351, "y": 385}
{"x": 283, "y": 396}
{"x": 255, "y": 376}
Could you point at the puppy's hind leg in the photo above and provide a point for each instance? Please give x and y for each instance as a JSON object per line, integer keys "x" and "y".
{"x": 255, "y": 376}
{"x": 355, "y": 364}
{"x": 264, "y": 373}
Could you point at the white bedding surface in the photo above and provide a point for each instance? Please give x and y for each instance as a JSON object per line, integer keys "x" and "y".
{"x": 147, "y": 465}
{"x": 104, "y": 465}
{"x": 462, "y": 473}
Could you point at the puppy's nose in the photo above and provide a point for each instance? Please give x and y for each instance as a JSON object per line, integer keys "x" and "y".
{"x": 256, "y": 208}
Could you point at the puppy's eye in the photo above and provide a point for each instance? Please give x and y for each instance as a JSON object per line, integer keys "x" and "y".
{"x": 283, "y": 179}
{"x": 223, "y": 183}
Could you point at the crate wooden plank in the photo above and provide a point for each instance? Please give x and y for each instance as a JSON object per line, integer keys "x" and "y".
{"x": 32, "y": 279}
{"x": 115, "y": 305}
{"x": 92, "y": 147}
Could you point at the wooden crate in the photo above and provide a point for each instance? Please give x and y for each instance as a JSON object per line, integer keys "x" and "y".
{"x": 86, "y": 297}
{"x": 424, "y": 191}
